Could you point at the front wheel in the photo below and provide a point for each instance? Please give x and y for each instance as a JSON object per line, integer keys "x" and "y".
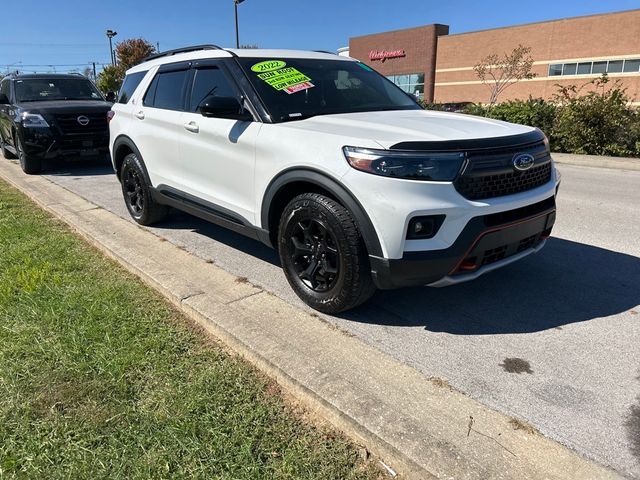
{"x": 323, "y": 254}
{"x": 137, "y": 193}
{"x": 5, "y": 153}
{"x": 30, "y": 165}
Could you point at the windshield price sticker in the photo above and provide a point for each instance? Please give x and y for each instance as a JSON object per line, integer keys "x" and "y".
{"x": 268, "y": 66}
{"x": 287, "y": 79}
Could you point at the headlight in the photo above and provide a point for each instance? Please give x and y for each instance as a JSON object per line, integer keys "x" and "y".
{"x": 33, "y": 120}
{"x": 434, "y": 166}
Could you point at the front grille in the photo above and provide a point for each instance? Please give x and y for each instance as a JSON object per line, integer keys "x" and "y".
{"x": 491, "y": 173}
{"x": 68, "y": 124}
{"x": 489, "y": 186}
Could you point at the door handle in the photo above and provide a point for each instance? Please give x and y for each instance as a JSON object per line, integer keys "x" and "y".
{"x": 192, "y": 127}
{"x": 139, "y": 115}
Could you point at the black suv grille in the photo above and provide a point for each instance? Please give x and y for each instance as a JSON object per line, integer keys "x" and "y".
{"x": 69, "y": 124}
{"x": 491, "y": 173}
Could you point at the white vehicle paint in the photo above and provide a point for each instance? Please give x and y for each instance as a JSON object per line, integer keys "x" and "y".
{"x": 485, "y": 189}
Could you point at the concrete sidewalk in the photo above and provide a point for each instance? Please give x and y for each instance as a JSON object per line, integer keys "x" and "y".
{"x": 597, "y": 161}
{"x": 420, "y": 426}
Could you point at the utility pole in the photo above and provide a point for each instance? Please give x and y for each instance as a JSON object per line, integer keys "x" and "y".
{"x": 158, "y": 47}
{"x": 235, "y": 7}
{"x": 95, "y": 77}
{"x": 110, "y": 35}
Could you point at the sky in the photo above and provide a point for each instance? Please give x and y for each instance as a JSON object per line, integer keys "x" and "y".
{"x": 71, "y": 33}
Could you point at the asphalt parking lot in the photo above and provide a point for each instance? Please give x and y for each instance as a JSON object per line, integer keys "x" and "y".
{"x": 553, "y": 340}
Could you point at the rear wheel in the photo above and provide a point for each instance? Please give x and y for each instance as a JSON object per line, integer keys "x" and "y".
{"x": 137, "y": 193}
{"x": 30, "y": 165}
{"x": 323, "y": 254}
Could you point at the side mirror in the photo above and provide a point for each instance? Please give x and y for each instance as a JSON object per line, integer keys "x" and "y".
{"x": 223, "y": 107}
{"x": 4, "y": 100}
{"x": 111, "y": 97}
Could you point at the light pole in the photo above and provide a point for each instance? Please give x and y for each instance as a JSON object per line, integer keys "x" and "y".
{"x": 111, "y": 34}
{"x": 235, "y": 6}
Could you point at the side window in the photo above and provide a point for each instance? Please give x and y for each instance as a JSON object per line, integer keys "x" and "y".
{"x": 129, "y": 85}
{"x": 167, "y": 90}
{"x": 208, "y": 82}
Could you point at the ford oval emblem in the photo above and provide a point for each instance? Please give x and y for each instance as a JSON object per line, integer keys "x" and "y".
{"x": 82, "y": 120}
{"x": 523, "y": 161}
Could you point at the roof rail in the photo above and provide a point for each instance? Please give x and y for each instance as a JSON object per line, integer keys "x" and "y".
{"x": 194, "y": 48}
{"x": 325, "y": 51}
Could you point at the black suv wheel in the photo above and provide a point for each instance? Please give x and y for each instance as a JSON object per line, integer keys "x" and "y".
{"x": 30, "y": 165}
{"x": 323, "y": 254}
{"x": 5, "y": 153}
{"x": 137, "y": 195}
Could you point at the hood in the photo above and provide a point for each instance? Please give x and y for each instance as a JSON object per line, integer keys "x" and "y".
{"x": 392, "y": 127}
{"x": 55, "y": 107}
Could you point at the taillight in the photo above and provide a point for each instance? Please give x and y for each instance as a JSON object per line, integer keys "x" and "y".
{"x": 110, "y": 115}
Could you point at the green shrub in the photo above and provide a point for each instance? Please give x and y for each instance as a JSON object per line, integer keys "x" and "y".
{"x": 597, "y": 123}
{"x": 534, "y": 112}
{"x": 600, "y": 122}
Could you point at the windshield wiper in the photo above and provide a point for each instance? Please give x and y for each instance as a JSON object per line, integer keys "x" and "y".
{"x": 291, "y": 117}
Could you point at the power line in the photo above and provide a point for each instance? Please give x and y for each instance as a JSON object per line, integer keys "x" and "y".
{"x": 53, "y": 45}
{"x": 20, "y": 65}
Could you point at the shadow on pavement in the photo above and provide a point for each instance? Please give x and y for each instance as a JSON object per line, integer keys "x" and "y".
{"x": 566, "y": 282}
{"x": 178, "y": 220}
{"x": 88, "y": 167}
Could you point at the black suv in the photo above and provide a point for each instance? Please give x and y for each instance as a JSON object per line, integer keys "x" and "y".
{"x": 43, "y": 116}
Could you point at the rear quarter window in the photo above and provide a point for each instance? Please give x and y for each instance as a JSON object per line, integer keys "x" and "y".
{"x": 129, "y": 86}
{"x": 167, "y": 90}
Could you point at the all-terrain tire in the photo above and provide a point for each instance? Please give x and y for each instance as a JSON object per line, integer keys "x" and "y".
{"x": 137, "y": 193}
{"x": 323, "y": 254}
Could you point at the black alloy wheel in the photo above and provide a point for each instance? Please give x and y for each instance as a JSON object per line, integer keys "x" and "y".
{"x": 314, "y": 254}
{"x": 29, "y": 165}
{"x": 137, "y": 193}
{"x": 323, "y": 254}
{"x": 132, "y": 188}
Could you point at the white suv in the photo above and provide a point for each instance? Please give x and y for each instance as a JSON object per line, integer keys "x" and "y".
{"x": 318, "y": 155}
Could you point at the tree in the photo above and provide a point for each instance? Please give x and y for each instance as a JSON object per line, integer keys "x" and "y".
{"x": 110, "y": 79}
{"x": 132, "y": 51}
{"x": 128, "y": 53}
{"x": 499, "y": 73}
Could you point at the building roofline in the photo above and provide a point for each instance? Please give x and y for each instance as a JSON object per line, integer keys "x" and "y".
{"x": 545, "y": 21}
{"x": 400, "y": 30}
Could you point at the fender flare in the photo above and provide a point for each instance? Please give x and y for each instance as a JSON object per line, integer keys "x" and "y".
{"x": 124, "y": 140}
{"x": 336, "y": 189}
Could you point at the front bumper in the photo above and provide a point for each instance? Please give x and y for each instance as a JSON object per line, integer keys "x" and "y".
{"x": 486, "y": 243}
{"x": 45, "y": 144}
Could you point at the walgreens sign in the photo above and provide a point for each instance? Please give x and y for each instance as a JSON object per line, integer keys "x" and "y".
{"x": 384, "y": 54}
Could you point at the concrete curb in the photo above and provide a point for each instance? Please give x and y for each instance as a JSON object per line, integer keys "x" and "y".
{"x": 597, "y": 161}
{"x": 423, "y": 428}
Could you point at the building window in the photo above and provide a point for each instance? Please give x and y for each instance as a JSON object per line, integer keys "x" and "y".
{"x": 555, "y": 69}
{"x": 632, "y": 66}
{"x": 615, "y": 66}
{"x": 412, "y": 83}
{"x": 584, "y": 68}
{"x": 595, "y": 68}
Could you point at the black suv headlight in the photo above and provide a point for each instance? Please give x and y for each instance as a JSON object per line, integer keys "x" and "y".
{"x": 30, "y": 120}
{"x": 412, "y": 165}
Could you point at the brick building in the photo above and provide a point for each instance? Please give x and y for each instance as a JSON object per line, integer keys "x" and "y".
{"x": 436, "y": 66}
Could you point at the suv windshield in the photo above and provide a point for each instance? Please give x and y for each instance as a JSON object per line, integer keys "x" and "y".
{"x": 44, "y": 89}
{"x": 293, "y": 88}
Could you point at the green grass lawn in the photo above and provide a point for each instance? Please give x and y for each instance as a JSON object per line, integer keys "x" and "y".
{"x": 100, "y": 378}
